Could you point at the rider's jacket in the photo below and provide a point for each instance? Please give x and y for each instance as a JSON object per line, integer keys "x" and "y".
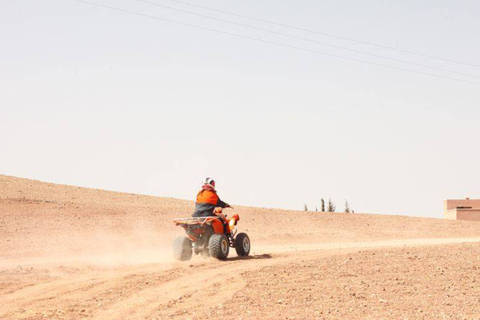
{"x": 207, "y": 201}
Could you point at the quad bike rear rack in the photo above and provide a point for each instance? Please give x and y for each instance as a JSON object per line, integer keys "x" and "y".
{"x": 194, "y": 220}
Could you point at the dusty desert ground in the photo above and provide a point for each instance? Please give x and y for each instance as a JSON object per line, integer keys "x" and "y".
{"x": 73, "y": 253}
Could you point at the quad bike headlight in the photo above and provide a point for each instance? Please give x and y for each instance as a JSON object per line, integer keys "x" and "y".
{"x": 232, "y": 224}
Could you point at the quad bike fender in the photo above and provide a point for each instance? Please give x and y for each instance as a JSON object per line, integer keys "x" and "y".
{"x": 232, "y": 223}
{"x": 192, "y": 237}
{"x": 191, "y": 234}
{"x": 217, "y": 226}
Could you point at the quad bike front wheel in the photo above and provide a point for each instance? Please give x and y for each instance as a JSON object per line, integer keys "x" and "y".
{"x": 218, "y": 246}
{"x": 182, "y": 249}
{"x": 242, "y": 245}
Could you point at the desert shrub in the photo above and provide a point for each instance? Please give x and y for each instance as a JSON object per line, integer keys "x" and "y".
{"x": 331, "y": 206}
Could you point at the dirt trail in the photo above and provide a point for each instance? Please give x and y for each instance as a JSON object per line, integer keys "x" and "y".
{"x": 169, "y": 289}
{"x": 221, "y": 281}
{"x": 73, "y": 253}
{"x": 368, "y": 245}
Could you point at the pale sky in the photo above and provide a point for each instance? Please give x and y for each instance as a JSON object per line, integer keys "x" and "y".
{"x": 99, "y": 98}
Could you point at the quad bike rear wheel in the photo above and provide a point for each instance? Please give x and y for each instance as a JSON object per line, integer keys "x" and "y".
{"x": 219, "y": 246}
{"x": 242, "y": 244}
{"x": 182, "y": 249}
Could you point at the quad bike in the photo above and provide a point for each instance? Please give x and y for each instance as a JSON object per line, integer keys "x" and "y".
{"x": 209, "y": 236}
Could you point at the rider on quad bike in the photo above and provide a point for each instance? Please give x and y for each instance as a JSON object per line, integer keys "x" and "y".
{"x": 208, "y": 200}
{"x": 209, "y": 231}
{"x": 208, "y": 203}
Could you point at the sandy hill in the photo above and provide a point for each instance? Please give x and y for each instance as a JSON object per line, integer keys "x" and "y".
{"x": 45, "y": 219}
{"x": 68, "y": 252}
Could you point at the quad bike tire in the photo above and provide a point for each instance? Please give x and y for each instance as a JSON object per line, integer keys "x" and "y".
{"x": 218, "y": 246}
{"x": 182, "y": 249}
{"x": 242, "y": 244}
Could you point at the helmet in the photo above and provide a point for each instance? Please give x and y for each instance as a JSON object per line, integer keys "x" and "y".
{"x": 210, "y": 182}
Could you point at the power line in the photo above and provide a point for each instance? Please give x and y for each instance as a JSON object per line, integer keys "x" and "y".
{"x": 325, "y": 34}
{"x": 271, "y": 42}
{"x": 309, "y": 40}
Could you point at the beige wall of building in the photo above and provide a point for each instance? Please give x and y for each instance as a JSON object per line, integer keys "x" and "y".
{"x": 454, "y": 203}
{"x": 468, "y": 214}
{"x": 450, "y": 214}
{"x": 462, "y": 209}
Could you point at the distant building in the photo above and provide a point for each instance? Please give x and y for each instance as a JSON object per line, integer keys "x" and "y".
{"x": 466, "y": 209}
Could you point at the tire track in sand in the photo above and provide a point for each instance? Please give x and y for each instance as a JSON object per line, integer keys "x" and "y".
{"x": 165, "y": 291}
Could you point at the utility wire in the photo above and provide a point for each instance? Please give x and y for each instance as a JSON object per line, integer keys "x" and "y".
{"x": 309, "y": 40}
{"x": 270, "y": 42}
{"x": 324, "y": 33}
